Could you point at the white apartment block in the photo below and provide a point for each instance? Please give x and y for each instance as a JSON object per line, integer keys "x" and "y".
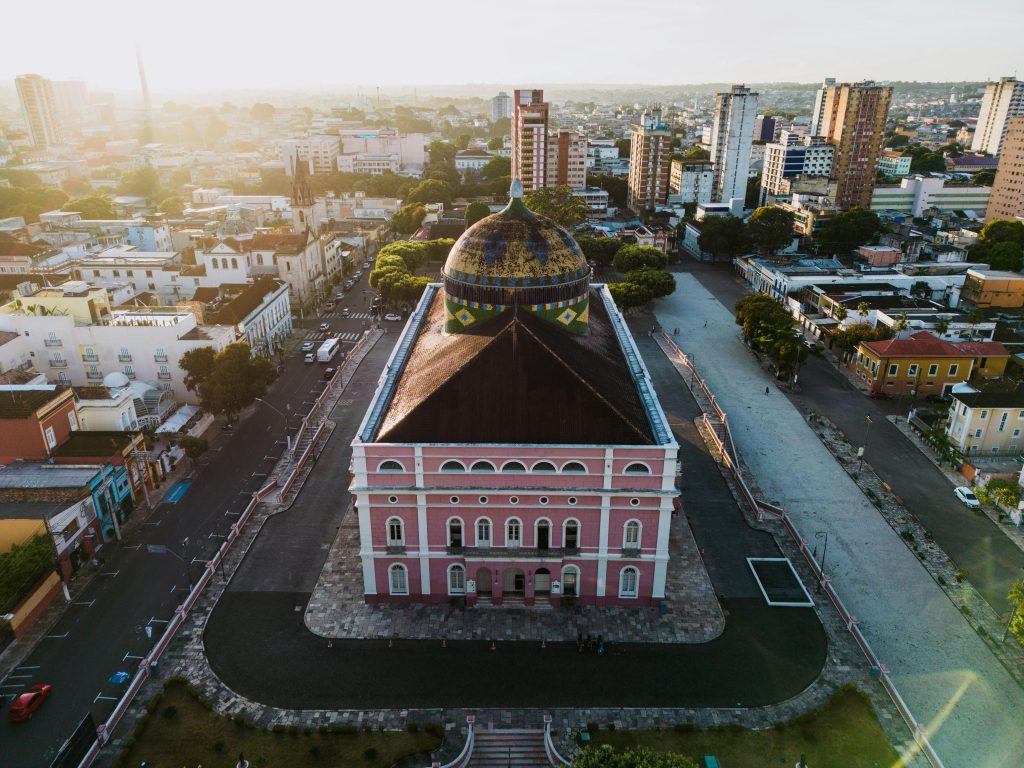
{"x": 818, "y": 112}
{"x": 365, "y": 144}
{"x": 793, "y": 156}
{"x": 691, "y": 181}
{"x": 732, "y": 133}
{"x": 567, "y": 159}
{"x": 320, "y": 153}
{"x": 1002, "y": 100}
{"x": 375, "y": 165}
{"x": 39, "y": 110}
{"x": 501, "y": 106}
{"x": 894, "y": 163}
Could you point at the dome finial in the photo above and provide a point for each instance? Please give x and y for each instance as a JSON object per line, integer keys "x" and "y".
{"x": 516, "y": 190}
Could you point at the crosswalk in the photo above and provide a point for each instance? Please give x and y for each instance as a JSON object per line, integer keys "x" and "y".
{"x": 337, "y": 314}
{"x": 320, "y": 336}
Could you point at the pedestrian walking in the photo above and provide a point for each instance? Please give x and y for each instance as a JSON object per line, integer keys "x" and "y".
{"x": 766, "y": 390}
{"x": 705, "y": 323}
{"x": 579, "y": 642}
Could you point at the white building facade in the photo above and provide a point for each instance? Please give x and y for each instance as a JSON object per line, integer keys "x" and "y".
{"x": 1002, "y": 100}
{"x": 732, "y": 132}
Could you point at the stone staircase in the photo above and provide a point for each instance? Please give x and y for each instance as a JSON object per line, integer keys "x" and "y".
{"x": 513, "y": 748}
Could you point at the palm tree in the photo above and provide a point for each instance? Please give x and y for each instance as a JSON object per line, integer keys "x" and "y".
{"x": 901, "y": 324}
{"x": 942, "y": 326}
{"x": 839, "y": 312}
{"x": 863, "y": 309}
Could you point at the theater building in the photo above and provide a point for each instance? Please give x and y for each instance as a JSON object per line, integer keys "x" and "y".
{"x": 515, "y": 452}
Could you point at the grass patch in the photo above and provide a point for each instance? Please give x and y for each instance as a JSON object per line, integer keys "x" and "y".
{"x": 843, "y": 733}
{"x": 196, "y": 736}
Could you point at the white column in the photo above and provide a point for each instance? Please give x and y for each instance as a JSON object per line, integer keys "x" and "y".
{"x": 421, "y": 520}
{"x": 418, "y": 461}
{"x": 366, "y": 544}
{"x": 602, "y": 546}
{"x": 661, "y": 554}
{"x": 359, "y": 464}
{"x": 668, "y": 475}
{"x": 608, "y": 456}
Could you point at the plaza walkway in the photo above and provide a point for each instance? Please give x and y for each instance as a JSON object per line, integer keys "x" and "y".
{"x": 944, "y": 671}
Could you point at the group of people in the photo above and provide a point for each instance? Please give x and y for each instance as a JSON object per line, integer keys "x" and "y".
{"x": 589, "y": 644}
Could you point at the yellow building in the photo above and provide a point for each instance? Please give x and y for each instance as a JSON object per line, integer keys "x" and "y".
{"x": 987, "y": 422}
{"x": 86, "y": 304}
{"x": 993, "y": 288}
{"x": 924, "y": 364}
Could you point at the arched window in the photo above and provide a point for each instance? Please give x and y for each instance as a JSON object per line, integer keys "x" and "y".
{"x": 629, "y": 582}
{"x": 234, "y": 263}
{"x": 513, "y": 466}
{"x": 456, "y": 580}
{"x": 513, "y": 533}
{"x": 570, "y": 581}
{"x": 482, "y": 466}
{"x": 638, "y": 469}
{"x": 398, "y": 580}
{"x": 543, "y": 466}
{"x": 631, "y": 535}
{"x": 396, "y": 532}
{"x": 214, "y": 264}
{"x": 574, "y": 468}
{"x": 542, "y": 533}
{"x": 390, "y": 466}
{"x": 571, "y": 534}
{"x": 454, "y": 532}
{"x": 453, "y": 466}
{"x": 483, "y": 532}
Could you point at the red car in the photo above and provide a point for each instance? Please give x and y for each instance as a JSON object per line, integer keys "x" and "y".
{"x": 25, "y": 705}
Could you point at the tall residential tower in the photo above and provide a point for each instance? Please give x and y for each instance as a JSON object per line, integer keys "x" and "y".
{"x": 529, "y": 139}
{"x": 650, "y": 154}
{"x": 1007, "y": 200}
{"x": 1003, "y": 101}
{"x": 39, "y": 110}
{"x": 732, "y": 133}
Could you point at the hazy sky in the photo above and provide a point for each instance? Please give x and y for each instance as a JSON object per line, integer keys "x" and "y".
{"x": 314, "y": 43}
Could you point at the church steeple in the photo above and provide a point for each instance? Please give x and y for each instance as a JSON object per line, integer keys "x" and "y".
{"x": 302, "y": 198}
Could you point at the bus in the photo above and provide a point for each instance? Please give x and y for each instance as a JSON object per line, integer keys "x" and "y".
{"x": 328, "y": 350}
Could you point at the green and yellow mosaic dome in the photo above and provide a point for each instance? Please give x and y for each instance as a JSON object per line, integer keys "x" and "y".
{"x": 516, "y": 259}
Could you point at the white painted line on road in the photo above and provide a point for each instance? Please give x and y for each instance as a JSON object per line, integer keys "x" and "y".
{"x": 111, "y": 573}
{"x": 87, "y": 605}
{"x": 25, "y": 667}
{"x": 133, "y": 546}
{"x": 154, "y": 524}
{"x": 259, "y": 474}
{"x": 267, "y": 456}
{"x": 57, "y": 637}
{"x": 101, "y": 697}
{"x": 17, "y": 677}
{"x": 197, "y": 560}
{"x": 131, "y": 656}
{"x": 173, "y": 588}
{"x": 232, "y": 513}
{"x": 5, "y": 685}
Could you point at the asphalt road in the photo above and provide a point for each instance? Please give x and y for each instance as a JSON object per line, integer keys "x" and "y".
{"x": 103, "y": 630}
{"x": 765, "y": 655}
{"x": 972, "y": 541}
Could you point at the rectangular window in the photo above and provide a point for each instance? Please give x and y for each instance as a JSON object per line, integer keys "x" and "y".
{"x": 894, "y": 368}
{"x": 912, "y": 369}
{"x": 1002, "y": 421}
{"x": 984, "y": 415}
{"x": 73, "y": 421}
{"x": 977, "y": 433}
{"x": 395, "y": 532}
{"x": 933, "y": 369}
{"x": 483, "y": 533}
{"x": 953, "y": 369}
{"x": 51, "y": 438}
{"x": 399, "y": 582}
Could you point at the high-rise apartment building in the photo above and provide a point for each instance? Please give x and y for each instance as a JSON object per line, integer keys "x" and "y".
{"x": 567, "y": 159}
{"x": 732, "y": 133}
{"x": 39, "y": 110}
{"x": 529, "y": 138}
{"x": 793, "y": 156}
{"x": 501, "y": 106}
{"x": 1007, "y": 199}
{"x": 318, "y": 153}
{"x": 691, "y": 181}
{"x": 819, "y": 105}
{"x": 1002, "y": 101}
{"x": 853, "y": 120}
{"x": 650, "y": 154}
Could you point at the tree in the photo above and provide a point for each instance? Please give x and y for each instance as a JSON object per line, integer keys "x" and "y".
{"x": 262, "y": 112}
{"x": 496, "y": 143}
{"x": 1016, "y": 596}
{"x": 475, "y": 212}
{"x": 984, "y": 178}
{"x": 194, "y": 447}
{"x": 696, "y": 152}
{"x": 723, "y": 236}
{"x": 172, "y": 206}
{"x": 559, "y": 204}
{"x": 627, "y": 295}
{"x": 599, "y": 249}
{"x": 896, "y": 140}
{"x": 1002, "y": 231}
{"x": 923, "y": 160}
{"x": 606, "y": 757}
{"x": 198, "y": 365}
{"x": 92, "y": 207}
{"x": 431, "y": 191}
{"x": 235, "y": 380}
{"x": 845, "y": 231}
{"x": 624, "y": 146}
{"x": 1006, "y": 255}
{"x": 141, "y": 183}
{"x": 615, "y": 186}
{"x": 849, "y": 338}
{"x": 29, "y": 202}
{"x": 496, "y": 168}
{"x": 408, "y": 219}
{"x": 771, "y": 228}
{"x": 658, "y": 282}
{"x": 840, "y": 313}
{"x": 764, "y": 321}
{"x": 632, "y": 257}
{"x": 76, "y": 185}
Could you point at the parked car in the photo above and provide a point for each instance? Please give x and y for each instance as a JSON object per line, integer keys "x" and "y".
{"x": 329, "y": 372}
{"x": 366, "y": 265}
{"x": 308, "y": 346}
{"x": 345, "y": 311}
{"x": 26, "y": 704}
{"x": 310, "y": 357}
{"x": 391, "y": 317}
{"x": 967, "y": 497}
{"x": 325, "y": 326}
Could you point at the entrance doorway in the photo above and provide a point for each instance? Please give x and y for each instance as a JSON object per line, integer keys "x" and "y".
{"x": 513, "y": 582}
{"x": 542, "y": 581}
{"x": 483, "y": 581}
{"x": 543, "y": 534}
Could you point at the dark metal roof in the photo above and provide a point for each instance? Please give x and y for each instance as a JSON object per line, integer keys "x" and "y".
{"x": 516, "y": 379}
{"x": 990, "y": 399}
{"x": 21, "y": 404}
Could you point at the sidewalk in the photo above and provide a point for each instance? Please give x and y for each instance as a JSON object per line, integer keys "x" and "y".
{"x": 945, "y": 672}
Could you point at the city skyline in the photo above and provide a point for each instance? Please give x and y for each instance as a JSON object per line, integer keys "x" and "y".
{"x": 414, "y": 50}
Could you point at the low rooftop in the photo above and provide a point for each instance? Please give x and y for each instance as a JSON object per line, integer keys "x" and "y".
{"x": 32, "y": 474}
{"x": 94, "y": 443}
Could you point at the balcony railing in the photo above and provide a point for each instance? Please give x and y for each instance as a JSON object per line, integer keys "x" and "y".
{"x": 160, "y": 358}
{"x": 93, "y": 375}
{"x": 164, "y": 375}
{"x": 130, "y": 375}
{"x": 124, "y": 358}
{"x": 633, "y": 551}
{"x": 553, "y": 553}
{"x": 90, "y": 358}
{"x": 58, "y": 363}
{"x": 396, "y": 549}
{"x": 53, "y": 343}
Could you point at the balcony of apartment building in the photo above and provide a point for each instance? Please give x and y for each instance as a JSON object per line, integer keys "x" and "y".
{"x": 94, "y": 375}
{"x": 58, "y": 363}
{"x": 164, "y": 375}
{"x": 124, "y": 358}
{"x": 90, "y": 357}
{"x": 159, "y": 358}
{"x": 52, "y": 342}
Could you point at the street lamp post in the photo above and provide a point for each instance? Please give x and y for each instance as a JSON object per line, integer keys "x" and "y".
{"x": 863, "y": 449}
{"x": 283, "y": 415}
{"x": 184, "y": 558}
{"x": 824, "y": 551}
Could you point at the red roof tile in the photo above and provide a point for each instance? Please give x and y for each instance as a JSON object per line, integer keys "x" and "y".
{"x": 925, "y": 344}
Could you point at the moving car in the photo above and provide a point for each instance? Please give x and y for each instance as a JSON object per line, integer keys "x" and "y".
{"x": 345, "y": 312}
{"x": 325, "y": 326}
{"x": 308, "y": 346}
{"x": 26, "y": 704}
{"x": 310, "y": 357}
{"x": 967, "y": 497}
{"x": 329, "y": 372}
{"x": 393, "y": 318}
{"x": 366, "y": 265}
